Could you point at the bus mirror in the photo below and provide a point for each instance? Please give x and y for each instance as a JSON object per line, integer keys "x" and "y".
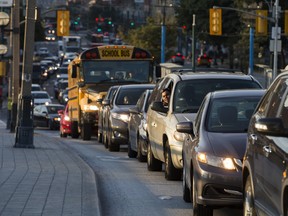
{"x": 74, "y": 71}
{"x": 158, "y": 71}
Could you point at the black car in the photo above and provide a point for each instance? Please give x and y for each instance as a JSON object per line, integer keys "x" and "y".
{"x": 265, "y": 163}
{"x": 137, "y": 146}
{"x": 214, "y": 147}
{"x": 117, "y": 116}
{"x": 102, "y": 111}
{"x": 178, "y": 58}
{"x": 47, "y": 116}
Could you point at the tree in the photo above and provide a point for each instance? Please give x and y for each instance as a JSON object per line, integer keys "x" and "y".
{"x": 149, "y": 37}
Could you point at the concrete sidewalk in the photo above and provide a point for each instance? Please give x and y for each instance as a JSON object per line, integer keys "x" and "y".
{"x": 47, "y": 180}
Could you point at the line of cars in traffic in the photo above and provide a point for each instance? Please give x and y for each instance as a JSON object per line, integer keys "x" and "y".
{"x": 201, "y": 137}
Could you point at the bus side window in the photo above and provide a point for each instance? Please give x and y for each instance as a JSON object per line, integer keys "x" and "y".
{"x": 74, "y": 71}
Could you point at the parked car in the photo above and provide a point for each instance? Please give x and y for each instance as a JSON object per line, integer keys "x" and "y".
{"x": 117, "y": 115}
{"x": 187, "y": 92}
{"x": 65, "y": 122}
{"x": 213, "y": 149}
{"x": 102, "y": 112}
{"x": 265, "y": 163}
{"x": 47, "y": 116}
{"x": 137, "y": 145}
{"x": 40, "y": 97}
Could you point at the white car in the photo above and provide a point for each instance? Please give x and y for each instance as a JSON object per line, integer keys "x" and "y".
{"x": 40, "y": 97}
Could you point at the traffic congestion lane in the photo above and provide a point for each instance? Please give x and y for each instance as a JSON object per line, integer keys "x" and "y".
{"x": 141, "y": 192}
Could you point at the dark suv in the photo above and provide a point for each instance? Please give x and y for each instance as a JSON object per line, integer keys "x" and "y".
{"x": 187, "y": 92}
{"x": 265, "y": 164}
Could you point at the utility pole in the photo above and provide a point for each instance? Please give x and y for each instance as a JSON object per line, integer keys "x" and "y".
{"x": 24, "y": 129}
{"x": 193, "y": 43}
{"x": 163, "y": 34}
{"x": 15, "y": 65}
{"x": 275, "y": 59}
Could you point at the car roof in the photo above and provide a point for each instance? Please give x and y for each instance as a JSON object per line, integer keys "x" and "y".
{"x": 210, "y": 75}
{"x": 137, "y": 86}
{"x": 237, "y": 93}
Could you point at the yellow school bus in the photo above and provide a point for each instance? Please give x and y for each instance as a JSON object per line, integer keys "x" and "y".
{"x": 93, "y": 72}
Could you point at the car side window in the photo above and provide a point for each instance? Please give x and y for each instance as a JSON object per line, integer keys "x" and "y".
{"x": 198, "y": 117}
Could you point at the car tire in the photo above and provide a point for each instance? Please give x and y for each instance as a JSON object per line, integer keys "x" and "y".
{"x": 100, "y": 137}
{"x": 248, "y": 202}
{"x": 198, "y": 209}
{"x": 186, "y": 190}
{"x": 171, "y": 173}
{"x": 153, "y": 164}
{"x": 112, "y": 147}
{"x": 131, "y": 153}
{"x": 140, "y": 156}
{"x": 50, "y": 125}
{"x": 86, "y": 131}
{"x": 74, "y": 130}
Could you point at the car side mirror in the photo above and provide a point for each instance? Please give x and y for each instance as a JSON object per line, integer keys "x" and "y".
{"x": 106, "y": 102}
{"x": 60, "y": 112}
{"x": 158, "y": 107}
{"x": 185, "y": 127}
{"x": 271, "y": 126}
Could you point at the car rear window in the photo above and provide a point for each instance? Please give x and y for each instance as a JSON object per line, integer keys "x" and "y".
{"x": 190, "y": 93}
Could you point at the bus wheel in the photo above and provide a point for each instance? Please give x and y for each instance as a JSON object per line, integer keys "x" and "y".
{"x": 86, "y": 131}
{"x": 74, "y": 130}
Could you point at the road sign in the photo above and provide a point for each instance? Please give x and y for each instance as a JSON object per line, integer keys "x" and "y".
{"x": 63, "y": 22}
{"x": 6, "y": 3}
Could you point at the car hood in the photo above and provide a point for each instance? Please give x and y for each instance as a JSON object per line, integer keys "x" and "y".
{"x": 228, "y": 144}
{"x": 183, "y": 117}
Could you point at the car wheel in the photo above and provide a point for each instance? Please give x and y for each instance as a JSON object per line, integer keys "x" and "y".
{"x": 131, "y": 153}
{"x": 86, "y": 131}
{"x": 100, "y": 137}
{"x": 285, "y": 204}
{"x": 50, "y": 125}
{"x": 153, "y": 164}
{"x": 74, "y": 130}
{"x": 198, "y": 209}
{"x": 140, "y": 156}
{"x": 248, "y": 204}
{"x": 112, "y": 147}
{"x": 186, "y": 190}
{"x": 171, "y": 173}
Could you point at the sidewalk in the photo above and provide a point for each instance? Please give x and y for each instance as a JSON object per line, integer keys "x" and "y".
{"x": 47, "y": 180}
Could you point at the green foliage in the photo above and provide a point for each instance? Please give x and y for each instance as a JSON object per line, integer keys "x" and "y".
{"x": 149, "y": 37}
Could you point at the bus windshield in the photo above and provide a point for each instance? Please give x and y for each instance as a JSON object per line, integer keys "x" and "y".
{"x": 109, "y": 71}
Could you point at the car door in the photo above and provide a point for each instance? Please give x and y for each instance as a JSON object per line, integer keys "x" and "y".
{"x": 269, "y": 156}
{"x": 158, "y": 123}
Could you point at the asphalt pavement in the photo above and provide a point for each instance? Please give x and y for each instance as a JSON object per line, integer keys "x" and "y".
{"x": 49, "y": 179}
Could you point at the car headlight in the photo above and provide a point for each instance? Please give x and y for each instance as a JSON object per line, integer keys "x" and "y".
{"x": 122, "y": 117}
{"x": 46, "y": 103}
{"x": 56, "y": 118}
{"x": 90, "y": 107}
{"x": 66, "y": 118}
{"x": 221, "y": 162}
{"x": 179, "y": 136}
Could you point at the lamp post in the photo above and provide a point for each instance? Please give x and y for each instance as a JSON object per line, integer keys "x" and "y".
{"x": 4, "y": 20}
{"x": 24, "y": 129}
{"x": 193, "y": 43}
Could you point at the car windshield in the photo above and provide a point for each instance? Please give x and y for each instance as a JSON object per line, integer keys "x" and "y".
{"x": 231, "y": 114}
{"x": 190, "y": 93}
{"x": 40, "y": 95}
{"x": 129, "y": 96}
{"x": 54, "y": 109}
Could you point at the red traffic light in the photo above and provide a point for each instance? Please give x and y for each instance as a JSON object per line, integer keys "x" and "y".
{"x": 97, "y": 19}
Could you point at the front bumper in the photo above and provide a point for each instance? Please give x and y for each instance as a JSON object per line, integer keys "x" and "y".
{"x": 119, "y": 132}
{"x": 218, "y": 187}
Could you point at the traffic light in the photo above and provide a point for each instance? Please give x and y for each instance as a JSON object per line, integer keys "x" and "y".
{"x": 215, "y": 21}
{"x": 63, "y": 22}
{"x": 261, "y": 23}
{"x": 132, "y": 24}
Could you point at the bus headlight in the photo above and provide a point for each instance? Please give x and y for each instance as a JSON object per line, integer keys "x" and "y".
{"x": 90, "y": 107}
